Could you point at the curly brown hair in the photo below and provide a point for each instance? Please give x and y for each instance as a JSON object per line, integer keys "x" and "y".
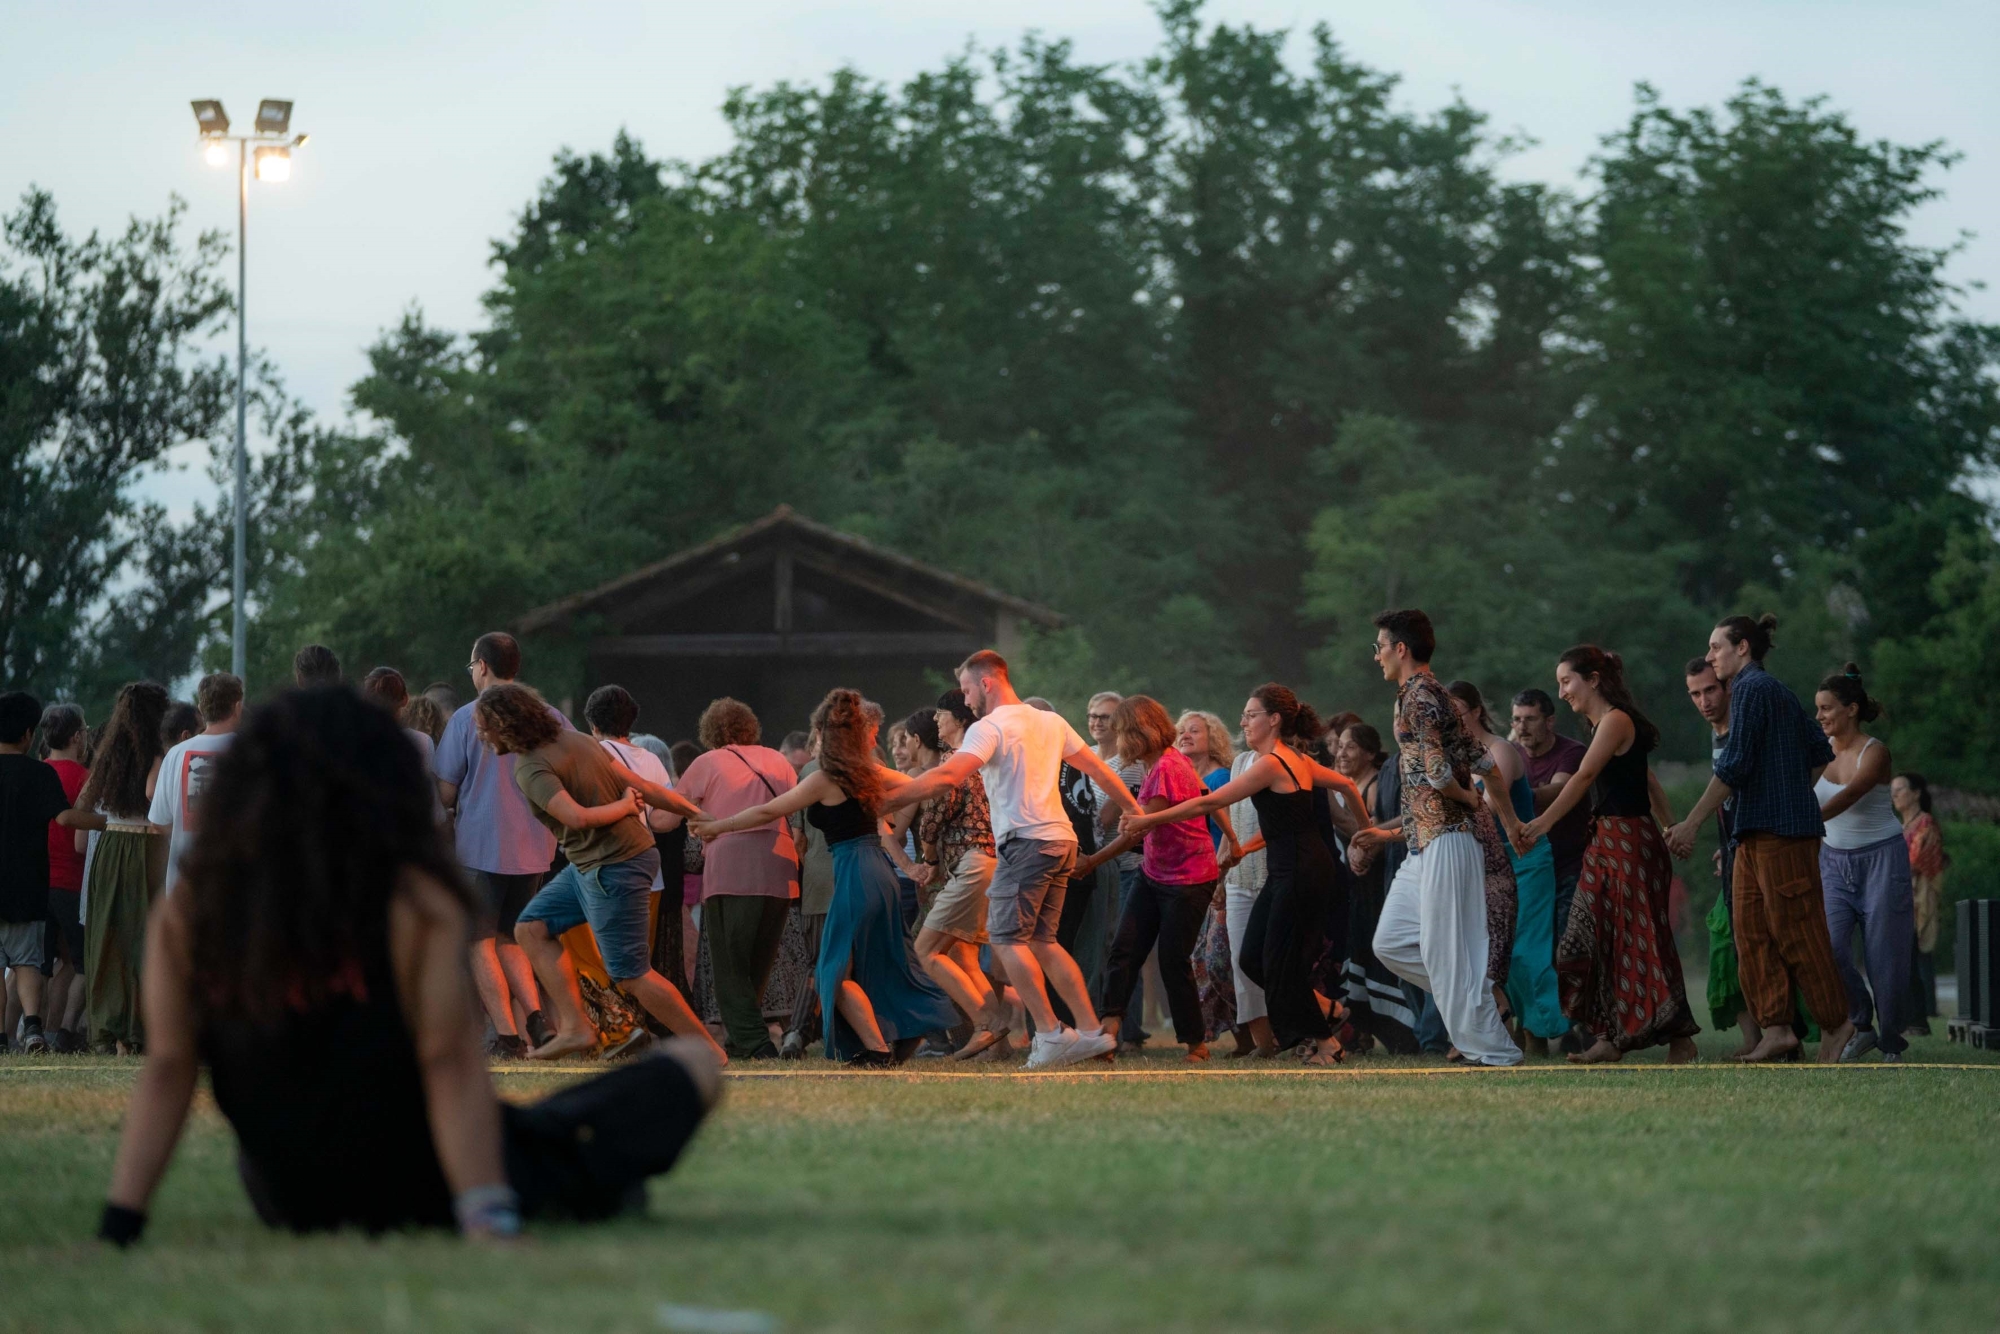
{"x": 131, "y": 743}
{"x": 320, "y": 807}
{"x": 426, "y": 715}
{"x": 515, "y": 718}
{"x": 846, "y": 724}
{"x": 728, "y": 722}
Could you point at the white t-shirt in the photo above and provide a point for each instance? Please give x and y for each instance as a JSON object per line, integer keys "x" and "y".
{"x": 177, "y": 796}
{"x": 647, "y": 765}
{"x": 1020, "y": 750}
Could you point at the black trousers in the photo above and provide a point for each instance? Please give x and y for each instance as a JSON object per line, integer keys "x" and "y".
{"x": 1076, "y": 906}
{"x": 805, "y": 1005}
{"x": 1170, "y": 915}
{"x": 583, "y": 1153}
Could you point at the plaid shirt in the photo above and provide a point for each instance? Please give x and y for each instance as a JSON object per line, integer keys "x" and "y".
{"x": 1774, "y": 745}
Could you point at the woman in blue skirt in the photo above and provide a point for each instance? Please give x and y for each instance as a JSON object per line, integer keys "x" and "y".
{"x": 870, "y": 984}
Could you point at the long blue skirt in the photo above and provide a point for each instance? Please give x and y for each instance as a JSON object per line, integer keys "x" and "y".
{"x": 864, "y": 942}
{"x": 1531, "y": 971}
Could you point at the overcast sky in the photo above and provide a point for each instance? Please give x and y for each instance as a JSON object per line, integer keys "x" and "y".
{"x": 433, "y": 122}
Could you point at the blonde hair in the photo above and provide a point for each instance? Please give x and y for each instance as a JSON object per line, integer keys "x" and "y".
{"x": 1221, "y": 751}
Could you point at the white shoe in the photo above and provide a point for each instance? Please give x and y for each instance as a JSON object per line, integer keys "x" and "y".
{"x": 1049, "y": 1050}
{"x": 1087, "y": 1048}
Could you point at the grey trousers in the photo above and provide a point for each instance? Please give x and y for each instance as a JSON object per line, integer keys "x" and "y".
{"x": 1869, "y": 889}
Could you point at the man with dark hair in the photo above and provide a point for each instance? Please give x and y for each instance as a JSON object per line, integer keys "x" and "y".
{"x": 315, "y": 665}
{"x": 31, "y": 795}
{"x": 1433, "y": 926}
{"x": 503, "y": 847}
{"x": 1552, "y": 759}
{"x": 1019, "y": 752}
{"x": 1710, "y": 695}
{"x": 185, "y": 770}
{"x": 797, "y": 750}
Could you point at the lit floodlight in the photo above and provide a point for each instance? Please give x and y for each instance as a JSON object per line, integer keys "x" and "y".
{"x": 274, "y": 164}
{"x": 273, "y": 116}
{"x": 217, "y": 153}
{"x": 208, "y": 114}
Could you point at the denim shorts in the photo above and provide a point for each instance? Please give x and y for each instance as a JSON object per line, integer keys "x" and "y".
{"x": 613, "y": 899}
{"x": 1025, "y": 900}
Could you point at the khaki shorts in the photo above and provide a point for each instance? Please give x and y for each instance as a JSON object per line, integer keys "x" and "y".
{"x": 959, "y": 907}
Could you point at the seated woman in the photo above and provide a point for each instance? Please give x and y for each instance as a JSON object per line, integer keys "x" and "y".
{"x": 313, "y": 958}
{"x": 877, "y": 1000}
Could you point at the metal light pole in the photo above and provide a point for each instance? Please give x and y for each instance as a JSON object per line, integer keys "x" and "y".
{"x": 273, "y": 159}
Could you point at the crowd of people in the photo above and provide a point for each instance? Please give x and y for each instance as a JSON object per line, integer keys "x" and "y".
{"x": 373, "y": 889}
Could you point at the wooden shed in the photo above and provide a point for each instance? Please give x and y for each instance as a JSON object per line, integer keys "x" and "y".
{"x": 776, "y": 613}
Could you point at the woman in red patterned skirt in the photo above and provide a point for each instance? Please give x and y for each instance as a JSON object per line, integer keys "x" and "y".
{"x": 1617, "y": 969}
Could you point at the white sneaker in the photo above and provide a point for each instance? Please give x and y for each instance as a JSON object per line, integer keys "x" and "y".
{"x": 1085, "y": 1048}
{"x": 1049, "y": 1050}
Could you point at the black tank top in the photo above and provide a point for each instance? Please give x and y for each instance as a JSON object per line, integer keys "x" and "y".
{"x": 328, "y": 1106}
{"x": 842, "y": 823}
{"x": 1621, "y": 789}
{"x": 1282, "y": 817}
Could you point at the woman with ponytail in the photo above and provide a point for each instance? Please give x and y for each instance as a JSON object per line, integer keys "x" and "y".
{"x": 1287, "y": 928}
{"x": 1618, "y": 971}
{"x": 877, "y": 1001}
{"x": 1864, "y": 869}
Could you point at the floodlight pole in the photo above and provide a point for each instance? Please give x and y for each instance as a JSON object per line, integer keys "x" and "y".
{"x": 239, "y": 622}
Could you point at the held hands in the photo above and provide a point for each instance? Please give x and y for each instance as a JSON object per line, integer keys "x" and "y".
{"x": 1680, "y": 842}
{"x": 706, "y": 827}
{"x": 1529, "y": 834}
{"x": 1137, "y": 824}
{"x": 924, "y": 874}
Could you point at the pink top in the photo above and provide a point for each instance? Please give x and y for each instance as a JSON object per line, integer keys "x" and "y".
{"x": 751, "y": 862}
{"x": 1180, "y": 853}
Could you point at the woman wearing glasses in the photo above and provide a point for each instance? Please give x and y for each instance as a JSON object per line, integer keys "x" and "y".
{"x": 1287, "y": 929}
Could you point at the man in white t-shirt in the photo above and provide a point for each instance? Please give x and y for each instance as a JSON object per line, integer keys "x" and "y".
{"x": 184, "y": 770}
{"x": 1019, "y": 751}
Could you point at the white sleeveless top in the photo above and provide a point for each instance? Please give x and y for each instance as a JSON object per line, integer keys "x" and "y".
{"x": 1869, "y": 820}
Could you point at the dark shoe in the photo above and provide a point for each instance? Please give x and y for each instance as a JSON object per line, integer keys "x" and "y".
{"x": 870, "y": 1060}
{"x": 1577, "y": 1041}
{"x": 509, "y": 1047}
{"x": 767, "y": 1052}
{"x": 1863, "y": 1042}
{"x": 539, "y": 1031}
{"x": 64, "y": 1043}
{"x": 902, "y": 1049}
{"x": 33, "y": 1040}
{"x": 794, "y": 1048}
{"x": 634, "y": 1043}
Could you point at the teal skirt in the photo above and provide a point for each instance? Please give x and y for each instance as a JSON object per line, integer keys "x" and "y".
{"x": 864, "y": 943}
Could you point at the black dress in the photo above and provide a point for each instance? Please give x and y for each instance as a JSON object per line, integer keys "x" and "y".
{"x": 1287, "y": 929}
{"x": 330, "y": 1119}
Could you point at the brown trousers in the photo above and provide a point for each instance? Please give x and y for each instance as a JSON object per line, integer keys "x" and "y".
{"x": 1781, "y": 936}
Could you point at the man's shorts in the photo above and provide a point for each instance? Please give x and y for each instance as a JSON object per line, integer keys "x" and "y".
{"x": 21, "y": 944}
{"x": 614, "y": 899}
{"x": 501, "y": 898}
{"x": 1024, "y": 902}
{"x": 65, "y": 939}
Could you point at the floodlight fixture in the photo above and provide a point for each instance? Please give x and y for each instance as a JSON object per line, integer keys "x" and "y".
{"x": 274, "y": 164}
{"x": 216, "y": 153}
{"x": 274, "y": 117}
{"x": 208, "y": 114}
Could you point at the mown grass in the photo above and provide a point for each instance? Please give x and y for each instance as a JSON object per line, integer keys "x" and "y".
{"x": 1398, "y": 1197}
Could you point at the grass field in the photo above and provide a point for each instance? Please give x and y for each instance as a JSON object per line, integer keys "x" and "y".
{"x": 1389, "y": 1196}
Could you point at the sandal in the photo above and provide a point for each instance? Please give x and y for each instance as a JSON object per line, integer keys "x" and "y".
{"x": 1324, "y": 1054}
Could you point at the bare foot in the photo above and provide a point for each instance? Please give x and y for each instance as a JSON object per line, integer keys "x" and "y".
{"x": 1772, "y": 1046}
{"x": 564, "y": 1044}
{"x": 1327, "y": 1053}
{"x": 1599, "y": 1052}
{"x": 1832, "y": 1044}
{"x": 1198, "y": 1052}
{"x": 1682, "y": 1051}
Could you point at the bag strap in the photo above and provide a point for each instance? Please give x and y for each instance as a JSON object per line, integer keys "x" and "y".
{"x": 759, "y": 773}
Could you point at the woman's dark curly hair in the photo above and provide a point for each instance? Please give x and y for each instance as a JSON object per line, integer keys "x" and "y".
{"x": 515, "y": 718}
{"x": 1298, "y": 724}
{"x": 1609, "y": 669}
{"x": 131, "y": 743}
{"x": 845, "y": 722}
{"x": 309, "y": 820}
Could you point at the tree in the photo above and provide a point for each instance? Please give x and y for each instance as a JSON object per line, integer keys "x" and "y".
{"x": 100, "y": 376}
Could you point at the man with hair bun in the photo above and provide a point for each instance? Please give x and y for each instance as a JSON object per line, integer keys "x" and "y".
{"x": 184, "y": 773}
{"x": 1774, "y": 755}
{"x": 1432, "y": 930}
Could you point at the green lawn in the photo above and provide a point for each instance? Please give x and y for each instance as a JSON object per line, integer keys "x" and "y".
{"x": 1397, "y": 1196}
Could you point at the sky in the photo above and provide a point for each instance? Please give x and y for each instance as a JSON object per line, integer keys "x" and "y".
{"x": 433, "y": 123}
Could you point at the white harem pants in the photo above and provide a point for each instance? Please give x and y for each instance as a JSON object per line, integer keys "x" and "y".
{"x": 1433, "y": 934}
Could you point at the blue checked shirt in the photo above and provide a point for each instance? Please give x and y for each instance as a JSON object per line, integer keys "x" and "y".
{"x": 1774, "y": 745}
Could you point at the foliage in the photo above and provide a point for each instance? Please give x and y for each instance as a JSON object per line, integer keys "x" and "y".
{"x": 100, "y": 377}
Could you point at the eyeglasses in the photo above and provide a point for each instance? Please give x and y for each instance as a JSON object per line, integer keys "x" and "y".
{"x": 1377, "y": 649}
{"x": 1249, "y": 714}
{"x": 1098, "y": 717}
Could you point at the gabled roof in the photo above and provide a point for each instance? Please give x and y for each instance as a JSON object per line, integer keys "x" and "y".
{"x": 778, "y": 523}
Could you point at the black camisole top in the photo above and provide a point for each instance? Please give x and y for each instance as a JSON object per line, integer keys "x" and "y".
{"x": 844, "y": 822}
{"x": 1621, "y": 789}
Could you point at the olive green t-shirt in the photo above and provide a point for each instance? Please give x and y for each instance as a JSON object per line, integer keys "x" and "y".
{"x": 575, "y": 764}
